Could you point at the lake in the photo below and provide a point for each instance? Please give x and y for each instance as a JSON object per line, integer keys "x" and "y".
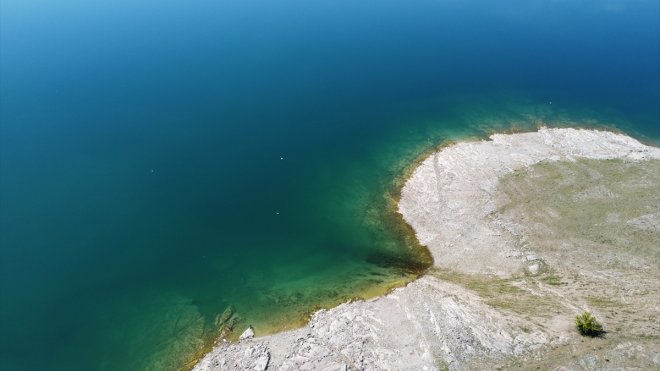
{"x": 171, "y": 169}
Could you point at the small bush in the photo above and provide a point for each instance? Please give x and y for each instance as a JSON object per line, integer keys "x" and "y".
{"x": 588, "y": 325}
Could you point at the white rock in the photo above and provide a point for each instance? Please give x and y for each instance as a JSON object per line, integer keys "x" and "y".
{"x": 534, "y": 268}
{"x": 447, "y": 201}
{"x": 247, "y": 334}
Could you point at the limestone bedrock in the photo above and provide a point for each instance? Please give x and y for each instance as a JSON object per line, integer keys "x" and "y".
{"x": 490, "y": 300}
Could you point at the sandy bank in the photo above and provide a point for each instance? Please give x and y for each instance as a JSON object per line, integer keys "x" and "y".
{"x": 493, "y": 297}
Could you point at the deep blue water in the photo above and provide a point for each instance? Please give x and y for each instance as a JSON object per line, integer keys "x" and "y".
{"x": 162, "y": 161}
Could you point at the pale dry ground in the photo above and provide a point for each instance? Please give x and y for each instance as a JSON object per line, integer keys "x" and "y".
{"x": 526, "y": 231}
{"x": 593, "y": 228}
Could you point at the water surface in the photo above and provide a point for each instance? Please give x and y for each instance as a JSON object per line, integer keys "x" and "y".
{"x": 161, "y": 162}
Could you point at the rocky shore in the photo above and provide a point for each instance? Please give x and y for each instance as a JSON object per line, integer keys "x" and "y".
{"x": 508, "y": 276}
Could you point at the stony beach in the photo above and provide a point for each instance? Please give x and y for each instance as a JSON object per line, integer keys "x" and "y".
{"x": 509, "y": 272}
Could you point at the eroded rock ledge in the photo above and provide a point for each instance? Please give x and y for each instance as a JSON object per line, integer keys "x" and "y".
{"x": 495, "y": 297}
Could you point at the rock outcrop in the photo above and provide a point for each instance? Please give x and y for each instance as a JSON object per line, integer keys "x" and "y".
{"x": 459, "y": 315}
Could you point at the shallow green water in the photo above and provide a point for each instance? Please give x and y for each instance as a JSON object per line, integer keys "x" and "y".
{"x": 162, "y": 164}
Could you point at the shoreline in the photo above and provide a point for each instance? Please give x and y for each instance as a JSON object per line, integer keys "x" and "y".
{"x": 392, "y": 218}
{"x": 445, "y": 201}
{"x": 469, "y": 171}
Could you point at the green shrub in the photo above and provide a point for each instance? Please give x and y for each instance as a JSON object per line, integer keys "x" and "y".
{"x": 588, "y": 325}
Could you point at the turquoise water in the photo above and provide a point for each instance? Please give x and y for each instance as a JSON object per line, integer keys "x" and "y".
{"x": 161, "y": 162}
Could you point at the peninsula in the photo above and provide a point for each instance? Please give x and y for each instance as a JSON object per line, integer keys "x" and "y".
{"x": 527, "y": 231}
